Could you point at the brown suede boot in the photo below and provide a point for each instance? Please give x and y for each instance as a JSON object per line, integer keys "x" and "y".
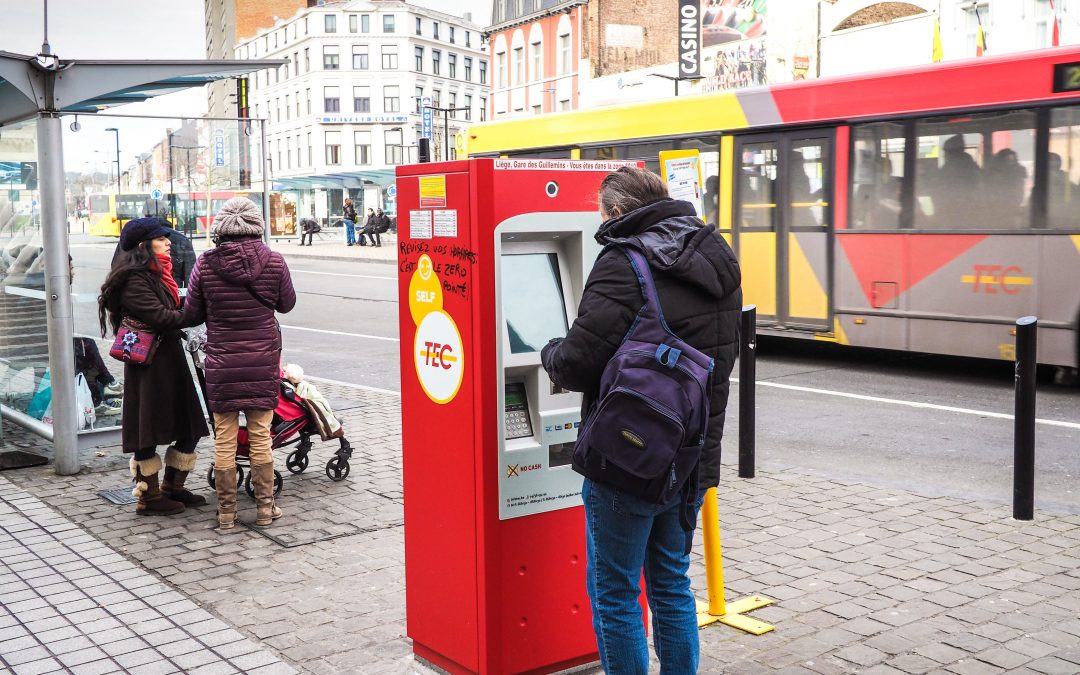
{"x": 262, "y": 479}
{"x": 177, "y": 467}
{"x": 225, "y": 483}
{"x": 152, "y": 502}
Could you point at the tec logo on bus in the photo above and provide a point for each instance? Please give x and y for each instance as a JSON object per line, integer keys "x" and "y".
{"x": 995, "y": 279}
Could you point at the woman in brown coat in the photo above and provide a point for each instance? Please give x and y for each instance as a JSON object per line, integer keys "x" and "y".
{"x": 161, "y": 405}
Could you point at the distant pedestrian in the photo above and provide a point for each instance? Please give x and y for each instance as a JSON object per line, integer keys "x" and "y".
{"x": 161, "y": 405}
{"x": 698, "y": 281}
{"x": 369, "y": 227}
{"x": 235, "y": 289}
{"x": 349, "y": 216}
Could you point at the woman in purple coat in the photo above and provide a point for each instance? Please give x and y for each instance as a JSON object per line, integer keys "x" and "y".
{"x": 236, "y": 288}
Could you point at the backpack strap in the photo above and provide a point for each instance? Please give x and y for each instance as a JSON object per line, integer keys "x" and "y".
{"x": 649, "y": 325}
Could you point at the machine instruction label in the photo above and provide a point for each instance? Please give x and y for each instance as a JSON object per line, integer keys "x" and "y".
{"x": 433, "y": 191}
{"x": 559, "y": 164}
{"x": 420, "y": 224}
{"x": 445, "y": 222}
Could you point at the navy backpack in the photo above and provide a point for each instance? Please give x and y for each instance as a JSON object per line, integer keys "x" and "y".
{"x": 645, "y": 433}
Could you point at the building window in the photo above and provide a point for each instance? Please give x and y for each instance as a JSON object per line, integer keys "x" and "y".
{"x": 299, "y": 155}
{"x": 393, "y": 146}
{"x": 362, "y": 145}
{"x": 354, "y": 23}
{"x": 310, "y": 152}
{"x": 307, "y": 97}
{"x": 500, "y": 70}
{"x": 279, "y": 164}
{"x": 536, "y": 109}
{"x": 330, "y": 57}
{"x": 330, "y": 23}
{"x": 564, "y": 104}
{"x": 391, "y": 99}
{"x": 331, "y": 100}
{"x": 361, "y": 99}
{"x": 453, "y": 104}
{"x": 451, "y": 65}
{"x": 288, "y": 108}
{"x": 298, "y": 111}
{"x": 451, "y": 35}
{"x": 483, "y": 108}
{"x": 564, "y": 54}
{"x": 467, "y": 44}
{"x": 365, "y": 23}
{"x": 537, "y": 62}
{"x": 418, "y": 26}
{"x": 418, "y": 96}
{"x": 519, "y": 65}
{"x": 288, "y": 153}
{"x": 389, "y": 57}
{"x": 483, "y": 72}
{"x": 277, "y": 108}
{"x": 388, "y": 23}
{"x": 360, "y": 57}
{"x": 333, "y": 147}
{"x": 436, "y": 57}
{"x": 419, "y": 59}
{"x": 285, "y": 67}
{"x": 435, "y": 30}
{"x": 436, "y": 98}
{"x": 305, "y": 25}
{"x": 307, "y": 60}
{"x": 468, "y": 106}
{"x": 468, "y": 69}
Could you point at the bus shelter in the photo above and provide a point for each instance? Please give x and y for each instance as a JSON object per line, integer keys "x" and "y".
{"x": 36, "y": 292}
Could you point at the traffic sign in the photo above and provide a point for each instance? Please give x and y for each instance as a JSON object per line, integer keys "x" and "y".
{"x": 426, "y": 116}
{"x": 391, "y": 191}
{"x": 155, "y": 194}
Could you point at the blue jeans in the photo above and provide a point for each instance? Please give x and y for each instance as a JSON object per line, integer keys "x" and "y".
{"x": 625, "y": 535}
{"x": 350, "y": 232}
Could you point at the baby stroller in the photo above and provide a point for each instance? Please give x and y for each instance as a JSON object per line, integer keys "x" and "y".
{"x": 295, "y": 421}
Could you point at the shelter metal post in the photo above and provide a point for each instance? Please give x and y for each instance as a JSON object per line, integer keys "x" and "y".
{"x": 265, "y": 152}
{"x": 58, "y": 294}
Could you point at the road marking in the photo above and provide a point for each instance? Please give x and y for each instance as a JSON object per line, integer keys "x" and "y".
{"x": 911, "y": 404}
{"x": 352, "y": 385}
{"x": 341, "y": 274}
{"x": 338, "y": 332}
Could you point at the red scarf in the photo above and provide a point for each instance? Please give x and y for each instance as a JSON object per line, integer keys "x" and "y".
{"x": 164, "y": 267}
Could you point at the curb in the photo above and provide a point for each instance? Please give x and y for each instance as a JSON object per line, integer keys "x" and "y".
{"x": 335, "y": 258}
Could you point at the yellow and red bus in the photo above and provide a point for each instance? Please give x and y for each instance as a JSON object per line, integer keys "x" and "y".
{"x": 188, "y": 214}
{"x": 921, "y": 209}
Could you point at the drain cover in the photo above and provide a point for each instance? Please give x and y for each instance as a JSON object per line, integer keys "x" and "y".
{"x": 17, "y": 459}
{"x": 120, "y": 495}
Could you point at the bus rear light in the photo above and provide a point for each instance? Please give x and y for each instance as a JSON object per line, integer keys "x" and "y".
{"x": 859, "y": 322}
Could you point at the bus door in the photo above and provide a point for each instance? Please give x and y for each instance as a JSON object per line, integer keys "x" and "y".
{"x": 783, "y": 225}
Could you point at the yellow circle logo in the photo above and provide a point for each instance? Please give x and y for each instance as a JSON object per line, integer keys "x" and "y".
{"x": 425, "y": 291}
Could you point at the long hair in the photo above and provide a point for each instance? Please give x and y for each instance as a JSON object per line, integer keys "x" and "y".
{"x": 138, "y": 258}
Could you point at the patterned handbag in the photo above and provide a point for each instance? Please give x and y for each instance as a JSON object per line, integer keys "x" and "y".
{"x": 135, "y": 343}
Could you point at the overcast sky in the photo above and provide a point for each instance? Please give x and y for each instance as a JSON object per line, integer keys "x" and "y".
{"x": 133, "y": 29}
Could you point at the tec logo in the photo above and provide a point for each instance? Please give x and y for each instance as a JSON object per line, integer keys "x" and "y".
{"x": 994, "y": 279}
{"x": 438, "y": 355}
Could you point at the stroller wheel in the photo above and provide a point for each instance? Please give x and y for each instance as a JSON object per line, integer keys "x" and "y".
{"x": 213, "y": 483}
{"x": 337, "y": 468}
{"x": 297, "y": 461}
{"x": 250, "y": 489}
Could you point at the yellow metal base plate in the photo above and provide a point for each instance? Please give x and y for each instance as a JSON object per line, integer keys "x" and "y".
{"x": 734, "y": 615}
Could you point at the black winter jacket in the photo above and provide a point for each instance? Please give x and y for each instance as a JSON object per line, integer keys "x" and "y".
{"x": 698, "y": 279}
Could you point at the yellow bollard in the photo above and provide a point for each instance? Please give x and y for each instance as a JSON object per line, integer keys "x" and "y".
{"x": 717, "y": 609}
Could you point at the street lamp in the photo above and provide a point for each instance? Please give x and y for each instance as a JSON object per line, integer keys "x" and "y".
{"x": 117, "y": 132}
{"x": 677, "y": 79}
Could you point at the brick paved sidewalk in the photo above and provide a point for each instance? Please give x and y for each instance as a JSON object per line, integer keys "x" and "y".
{"x": 867, "y": 579}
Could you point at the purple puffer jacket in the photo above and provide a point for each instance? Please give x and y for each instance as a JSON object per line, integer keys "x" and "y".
{"x": 243, "y": 340}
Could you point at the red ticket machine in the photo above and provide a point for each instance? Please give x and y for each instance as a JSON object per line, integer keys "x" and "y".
{"x": 492, "y": 258}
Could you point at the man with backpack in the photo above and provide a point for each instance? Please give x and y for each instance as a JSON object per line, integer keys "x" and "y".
{"x": 654, "y": 377}
{"x": 348, "y": 213}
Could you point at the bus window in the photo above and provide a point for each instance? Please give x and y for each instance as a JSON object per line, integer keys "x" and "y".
{"x": 878, "y": 176}
{"x": 807, "y": 163}
{"x": 975, "y": 172}
{"x": 757, "y": 186}
{"x": 99, "y": 204}
{"x": 1063, "y": 170}
{"x": 558, "y": 153}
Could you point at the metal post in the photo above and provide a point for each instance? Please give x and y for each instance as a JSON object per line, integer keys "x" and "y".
{"x": 1024, "y": 419}
{"x": 172, "y": 190}
{"x": 59, "y": 320}
{"x": 747, "y": 375}
{"x": 266, "y": 179}
{"x": 446, "y": 134}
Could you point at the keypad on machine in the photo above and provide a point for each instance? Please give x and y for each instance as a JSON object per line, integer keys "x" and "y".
{"x": 517, "y": 424}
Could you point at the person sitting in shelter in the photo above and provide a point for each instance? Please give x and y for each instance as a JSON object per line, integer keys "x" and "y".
{"x": 309, "y": 227}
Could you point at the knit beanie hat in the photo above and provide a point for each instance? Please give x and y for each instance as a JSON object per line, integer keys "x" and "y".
{"x": 239, "y": 217}
{"x": 143, "y": 229}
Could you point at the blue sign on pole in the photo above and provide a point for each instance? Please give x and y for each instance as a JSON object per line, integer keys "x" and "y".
{"x": 426, "y": 131}
{"x": 219, "y": 147}
{"x": 391, "y": 191}
{"x": 155, "y": 194}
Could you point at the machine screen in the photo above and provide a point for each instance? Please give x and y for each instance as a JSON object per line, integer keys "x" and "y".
{"x": 532, "y": 300}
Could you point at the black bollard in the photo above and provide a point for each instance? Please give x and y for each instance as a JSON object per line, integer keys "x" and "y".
{"x": 747, "y": 375}
{"x": 1024, "y": 420}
